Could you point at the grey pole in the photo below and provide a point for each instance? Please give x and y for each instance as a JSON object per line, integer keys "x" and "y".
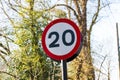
{"x": 118, "y": 47}
{"x": 64, "y": 69}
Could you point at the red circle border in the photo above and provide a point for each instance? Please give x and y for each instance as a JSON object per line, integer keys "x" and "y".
{"x": 73, "y": 51}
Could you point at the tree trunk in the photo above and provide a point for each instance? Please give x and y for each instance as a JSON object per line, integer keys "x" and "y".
{"x": 82, "y": 65}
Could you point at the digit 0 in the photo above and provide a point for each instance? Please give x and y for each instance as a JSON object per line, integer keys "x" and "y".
{"x": 72, "y": 37}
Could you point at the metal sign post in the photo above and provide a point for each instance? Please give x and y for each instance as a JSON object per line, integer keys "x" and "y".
{"x": 64, "y": 69}
{"x": 118, "y": 47}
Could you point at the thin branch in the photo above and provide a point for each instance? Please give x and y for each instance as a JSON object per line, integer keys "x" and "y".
{"x": 67, "y": 6}
{"x": 101, "y": 67}
{"x": 11, "y": 6}
{"x": 4, "y": 59}
{"x": 69, "y": 12}
{"x": 62, "y": 5}
{"x": 6, "y": 37}
{"x": 100, "y": 71}
{"x": 3, "y": 52}
{"x": 95, "y": 16}
{"x": 5, "y": 48}
{"x": 78, "y": 11}
{"x": 7, "y": 43}
{"x": 3, "y": 9}
{"x": 8, "y": 74}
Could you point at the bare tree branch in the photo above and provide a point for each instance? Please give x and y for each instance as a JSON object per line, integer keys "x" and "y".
{"x": 9, "y": 74}
{"x": 100, "y": 71}
{"x": 78, "y": 11}
{"x": 94, "y": 18}
{"x": 3, "y": 9}
{"x": 11, "y": 6}
{"x": 3, "y": 58}
{"x": 69, "y": 12}
{"x": 3, "y": 52}
{"x": 101, "y": 67}
{"x": 5, "y": 48}
{"x": 67, "y": 6}
{"x": 6, "y": 37}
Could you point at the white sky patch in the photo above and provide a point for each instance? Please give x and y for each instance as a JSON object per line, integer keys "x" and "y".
{"x": 105, "y": 32}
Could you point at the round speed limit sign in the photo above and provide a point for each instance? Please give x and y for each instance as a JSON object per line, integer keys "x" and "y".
{"x": 61, "y": 39}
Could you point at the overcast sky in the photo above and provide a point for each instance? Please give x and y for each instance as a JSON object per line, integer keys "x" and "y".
{"x": 104, "y": 32}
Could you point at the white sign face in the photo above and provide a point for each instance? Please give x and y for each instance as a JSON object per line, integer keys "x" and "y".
{"x": 60, "y": 38}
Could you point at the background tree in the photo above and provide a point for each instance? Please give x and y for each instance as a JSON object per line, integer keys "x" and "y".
{"x": 83, "y": 63}
{"x": 28, "y": 61}
{"x": 28, "y": 19}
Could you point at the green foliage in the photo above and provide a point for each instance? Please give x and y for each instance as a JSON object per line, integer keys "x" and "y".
{"x": 60, "y": 13}
{"x": 28, "y": 61}
{"x": 31, "y": 64}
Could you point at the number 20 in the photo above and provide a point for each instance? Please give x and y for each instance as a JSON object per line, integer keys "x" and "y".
{"x": 55, "y": 43}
